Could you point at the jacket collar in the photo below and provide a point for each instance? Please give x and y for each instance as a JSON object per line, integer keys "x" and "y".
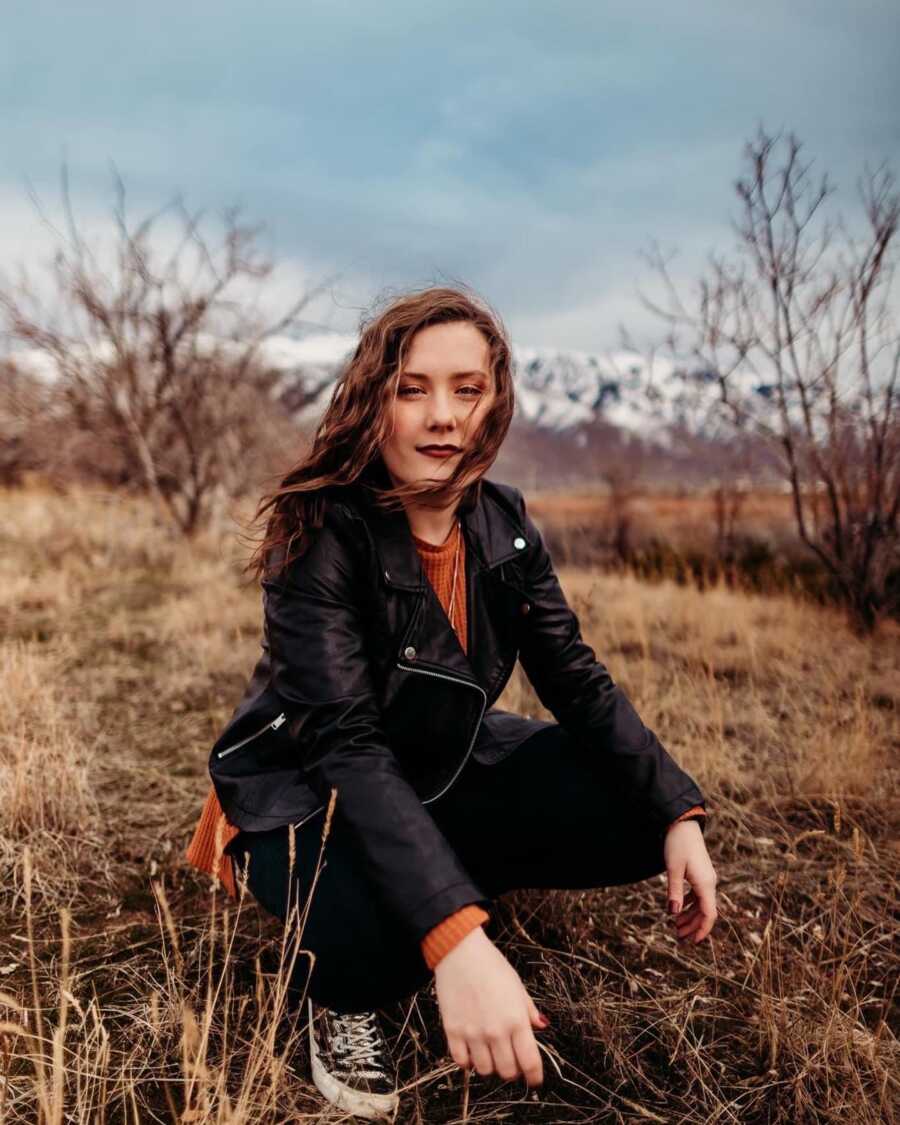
{"x": 492, "y": 530}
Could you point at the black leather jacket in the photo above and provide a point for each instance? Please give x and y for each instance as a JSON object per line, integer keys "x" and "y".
{"x": 363, "y": 686}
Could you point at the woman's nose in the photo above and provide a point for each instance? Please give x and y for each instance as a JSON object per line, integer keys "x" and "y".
{"x": 440, "y": 411}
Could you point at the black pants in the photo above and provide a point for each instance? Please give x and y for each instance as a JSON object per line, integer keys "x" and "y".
{"x": 547, "y": 816}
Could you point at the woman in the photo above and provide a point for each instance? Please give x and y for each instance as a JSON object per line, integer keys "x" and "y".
{"x": 400, "y": 587}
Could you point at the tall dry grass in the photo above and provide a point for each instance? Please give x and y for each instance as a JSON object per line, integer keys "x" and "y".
{"x": 133, "y": 991}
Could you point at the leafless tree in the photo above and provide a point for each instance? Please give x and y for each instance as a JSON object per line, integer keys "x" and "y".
{"x": 623, "y": 484}
{"x": 156, "y": 356}
{"x": 728, "y": 498}
{"x": 21, "y": 399}
{"x": 799, "y": 326}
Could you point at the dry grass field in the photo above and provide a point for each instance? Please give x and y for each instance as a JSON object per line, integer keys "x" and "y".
{"x": 133, "y": 991}
{"x": 684, "y": 522}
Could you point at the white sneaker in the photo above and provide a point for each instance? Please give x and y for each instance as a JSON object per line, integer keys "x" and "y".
{"x": 351, "y": 1063}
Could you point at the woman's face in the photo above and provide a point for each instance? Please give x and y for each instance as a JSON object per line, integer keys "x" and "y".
{"x": 444, "y": 391}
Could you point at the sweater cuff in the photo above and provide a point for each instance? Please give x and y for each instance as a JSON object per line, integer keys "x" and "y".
{"x": 690, "y": 814}
{"x": 439, "y": 940}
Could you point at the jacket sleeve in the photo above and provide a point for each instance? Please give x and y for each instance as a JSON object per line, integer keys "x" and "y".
{"x": 583, "y": 697}
{"x": 316, "y": 631}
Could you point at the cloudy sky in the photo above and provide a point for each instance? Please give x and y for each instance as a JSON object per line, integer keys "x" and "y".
{"x": 530, "y": 150}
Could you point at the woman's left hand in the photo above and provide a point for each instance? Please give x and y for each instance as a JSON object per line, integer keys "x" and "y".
{"x": 687, "y": 859}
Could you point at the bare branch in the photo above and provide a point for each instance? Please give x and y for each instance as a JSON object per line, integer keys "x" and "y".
{"x": 156, "y": 355}
{"x": 818, "y": 327}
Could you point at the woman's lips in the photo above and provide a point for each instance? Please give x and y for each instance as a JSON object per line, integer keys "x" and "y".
{"x": 439, "y": 452}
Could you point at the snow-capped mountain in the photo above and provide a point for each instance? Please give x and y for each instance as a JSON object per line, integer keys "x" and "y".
{"x": 564, "y": 393}
{"x": 560, "y": 391}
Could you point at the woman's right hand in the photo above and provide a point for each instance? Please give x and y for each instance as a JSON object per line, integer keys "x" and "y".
{"x": 488, "y": 1016}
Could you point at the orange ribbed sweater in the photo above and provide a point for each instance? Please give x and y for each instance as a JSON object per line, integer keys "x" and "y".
{"x": 213, "y": 832}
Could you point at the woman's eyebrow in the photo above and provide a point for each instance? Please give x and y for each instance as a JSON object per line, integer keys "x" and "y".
{"x": 453, "y": 374}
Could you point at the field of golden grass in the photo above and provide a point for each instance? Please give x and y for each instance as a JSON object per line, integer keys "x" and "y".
{"x": 684, "y": 522}
{"x": 131, "y": 991}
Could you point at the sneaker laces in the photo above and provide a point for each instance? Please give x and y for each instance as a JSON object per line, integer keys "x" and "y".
{"x": 358, "y": 1038}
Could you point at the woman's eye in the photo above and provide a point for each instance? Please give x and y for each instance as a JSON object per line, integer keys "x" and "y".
{"x": 406, "y": 392}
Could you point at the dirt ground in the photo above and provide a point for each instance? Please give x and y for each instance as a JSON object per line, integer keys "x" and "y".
{"x": 132, "y": 990}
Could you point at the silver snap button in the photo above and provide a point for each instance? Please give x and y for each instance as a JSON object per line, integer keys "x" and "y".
{"x": 518, "y": 542}
{"x": 409, "y": 652}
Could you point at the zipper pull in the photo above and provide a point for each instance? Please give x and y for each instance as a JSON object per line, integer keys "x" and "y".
{"x": 280, "y": 721}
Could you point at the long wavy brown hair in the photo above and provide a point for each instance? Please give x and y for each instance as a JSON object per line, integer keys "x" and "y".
{"x": 358, "y": 420}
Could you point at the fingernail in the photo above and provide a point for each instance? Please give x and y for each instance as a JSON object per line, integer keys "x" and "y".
{"x": 673, "y": 906}
{"x": 544, "y": 1021}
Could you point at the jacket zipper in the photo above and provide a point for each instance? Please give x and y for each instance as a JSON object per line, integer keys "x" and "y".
{"x": 452, "y": 679}
{"x": 467, "y": 683}
{"x": 274, "y": 725}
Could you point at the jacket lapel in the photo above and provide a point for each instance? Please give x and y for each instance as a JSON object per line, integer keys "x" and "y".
{"x": 491, "y": 537}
